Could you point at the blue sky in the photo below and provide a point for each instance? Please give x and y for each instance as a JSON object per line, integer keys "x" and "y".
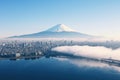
{"x": 95, "y": 17}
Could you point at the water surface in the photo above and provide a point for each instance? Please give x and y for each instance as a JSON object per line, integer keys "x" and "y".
{"x": 55, "y": 68}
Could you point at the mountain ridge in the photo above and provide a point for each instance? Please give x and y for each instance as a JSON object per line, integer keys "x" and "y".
{"x": 57, "y": 31}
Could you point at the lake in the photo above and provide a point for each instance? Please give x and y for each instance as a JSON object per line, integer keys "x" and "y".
{"x": 57, "y": 68}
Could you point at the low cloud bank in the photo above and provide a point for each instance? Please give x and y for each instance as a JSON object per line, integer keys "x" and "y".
{"x": 90, "y": 52}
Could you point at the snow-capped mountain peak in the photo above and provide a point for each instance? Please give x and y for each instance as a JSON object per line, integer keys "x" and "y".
{"x": 60, "y": 28}
{"x": 57, "y": 31}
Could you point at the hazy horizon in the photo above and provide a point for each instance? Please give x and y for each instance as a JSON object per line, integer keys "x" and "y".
{"x": 93, "y": 17}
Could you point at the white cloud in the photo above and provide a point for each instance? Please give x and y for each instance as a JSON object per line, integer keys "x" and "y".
{"x": 90, "y": 52}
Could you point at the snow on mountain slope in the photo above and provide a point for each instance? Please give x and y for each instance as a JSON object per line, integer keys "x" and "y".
{"x": 60, "y": 28}
{"x": 57, "y": 31}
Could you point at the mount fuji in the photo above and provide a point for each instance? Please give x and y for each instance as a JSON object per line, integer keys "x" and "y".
{"x": 57, "y": 31}
{"x": 60, "y": 28}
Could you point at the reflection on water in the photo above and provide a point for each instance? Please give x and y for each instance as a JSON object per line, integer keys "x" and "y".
{"x": 91, "y": 64}
{"x": 57, "y": 68}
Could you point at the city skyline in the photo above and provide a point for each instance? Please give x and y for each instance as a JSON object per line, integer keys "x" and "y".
{"x": 94, "y": 17}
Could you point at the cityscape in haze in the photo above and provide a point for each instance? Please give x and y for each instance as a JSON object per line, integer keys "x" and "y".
{"x": 59, "y": 40}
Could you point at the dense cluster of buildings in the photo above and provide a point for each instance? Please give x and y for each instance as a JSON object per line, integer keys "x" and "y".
{"x": 17, "y": 48}
{"x": 27, "y": 48}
